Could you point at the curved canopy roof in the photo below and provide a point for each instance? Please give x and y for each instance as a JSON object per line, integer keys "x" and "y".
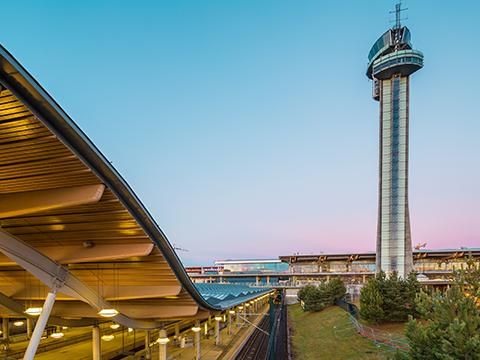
{"x": 70, "y": 219}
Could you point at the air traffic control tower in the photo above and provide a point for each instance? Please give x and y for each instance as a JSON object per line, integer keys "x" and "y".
{"x": 391, "y": 62}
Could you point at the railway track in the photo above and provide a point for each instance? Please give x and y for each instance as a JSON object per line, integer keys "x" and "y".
{"x": 257, "y": 344}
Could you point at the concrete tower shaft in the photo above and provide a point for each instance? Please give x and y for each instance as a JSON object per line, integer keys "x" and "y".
{"x": 392, "y": 61}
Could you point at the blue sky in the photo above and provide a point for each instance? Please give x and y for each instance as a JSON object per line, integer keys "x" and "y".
{"x": 247, "y": 127}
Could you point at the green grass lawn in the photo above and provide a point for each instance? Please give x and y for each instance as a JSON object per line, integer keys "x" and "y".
{"x": 328, "y": 334}
{"x": 395, "y": 329}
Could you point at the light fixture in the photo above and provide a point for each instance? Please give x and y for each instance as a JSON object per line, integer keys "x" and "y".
{"x": 130, "y": 329}
{"x": 57, "y": 335}
{"x": 196, "y": 329}
{"x": 18, "y": 323}
{"x": 247, "y": 305}
{"x": 240, "y": 308}
{"x": 108, "y": 313}
{"x": 108, "y": 337}
{"x": 114, "y": 326}
{"x": 218, "y": 318}
{"x": 33, "y": 311}
{"x": 64, "y": 327}
{"x": 163, "y": 340}
{"x": 231, "y": 312}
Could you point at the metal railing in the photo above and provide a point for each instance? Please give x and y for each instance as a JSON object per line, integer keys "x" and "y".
{"x": 379, "y": 337}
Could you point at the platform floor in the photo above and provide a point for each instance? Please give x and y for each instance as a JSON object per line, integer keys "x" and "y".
{"x": 77, "y": 345}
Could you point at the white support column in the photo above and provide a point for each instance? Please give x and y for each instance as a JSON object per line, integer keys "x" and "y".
{"x": 197, "y": 340}
{"x": 218, "y": 340}
{"x": 237, "y": 319}
{"x": 177, "y": 332}
{"x": 230, "y": 313}
{"x": 96, "y": 347}
{"x": 268, "y": 280}
{"x": 5, "y": 329}
{"x": 148, "y": 340}
{"x": 257, "y": 280}
{"x": 29, "y": 327}
{"x": 40, "y": 326}
{"x": 162, "y": 345}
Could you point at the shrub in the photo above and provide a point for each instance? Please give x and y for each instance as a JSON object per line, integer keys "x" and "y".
{"x": 316, "y": 298}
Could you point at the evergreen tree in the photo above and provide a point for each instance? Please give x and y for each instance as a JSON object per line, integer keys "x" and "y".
{"x": 371, "y": 301}
{"x": 389, "y": 298}
{"x": 336, "y": 289}
{"x": 451, "y": 325}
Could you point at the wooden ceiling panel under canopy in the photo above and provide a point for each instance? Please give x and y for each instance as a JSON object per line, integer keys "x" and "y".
{"x": 62, "y": 204}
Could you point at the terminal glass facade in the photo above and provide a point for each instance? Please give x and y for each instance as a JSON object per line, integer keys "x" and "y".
{"x": 254, "y": 267}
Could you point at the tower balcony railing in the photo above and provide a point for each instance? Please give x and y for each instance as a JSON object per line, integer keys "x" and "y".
{"x": 405, "y": 62}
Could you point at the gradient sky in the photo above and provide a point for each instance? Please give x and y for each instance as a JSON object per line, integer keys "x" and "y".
{"x": 247, "y": 127}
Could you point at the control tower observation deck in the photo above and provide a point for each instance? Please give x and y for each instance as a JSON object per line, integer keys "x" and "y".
{"x": 391, "y": 62}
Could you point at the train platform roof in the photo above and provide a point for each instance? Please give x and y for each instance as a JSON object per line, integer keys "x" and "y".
{"x": 70, "y": 222}
{"x": 228, "y": 295}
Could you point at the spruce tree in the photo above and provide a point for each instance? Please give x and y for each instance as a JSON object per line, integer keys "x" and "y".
{"x": 371, "y": 301}
{"x": 389, "y": 298}
{"x": 450, "y": 328}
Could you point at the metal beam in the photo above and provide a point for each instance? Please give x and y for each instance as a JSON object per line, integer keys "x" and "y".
{"x": 30, "y": 202}
{"x": 54, "y": 275}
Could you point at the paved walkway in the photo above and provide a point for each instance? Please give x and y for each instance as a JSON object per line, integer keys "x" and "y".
{"x": 124, "y": 342}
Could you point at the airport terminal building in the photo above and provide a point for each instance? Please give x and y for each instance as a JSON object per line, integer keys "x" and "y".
{"x": 432, "y": 267}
